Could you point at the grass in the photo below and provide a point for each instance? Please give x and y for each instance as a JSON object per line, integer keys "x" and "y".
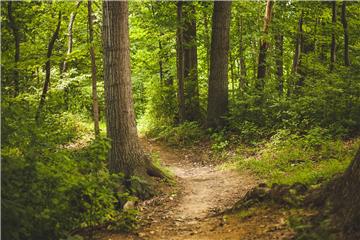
{"x": 294, "y": 160}
{"x": 246, "y": 213}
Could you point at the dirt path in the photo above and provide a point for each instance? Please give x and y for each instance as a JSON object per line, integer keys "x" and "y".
{"x": 192, "y": 209}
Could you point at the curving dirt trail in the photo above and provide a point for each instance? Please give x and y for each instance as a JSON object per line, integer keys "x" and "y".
{"x": 193, "y": 208}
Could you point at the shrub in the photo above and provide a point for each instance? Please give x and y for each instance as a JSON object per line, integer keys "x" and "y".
{"x": 48, "y": 189}
{"x": 289, "y": 158}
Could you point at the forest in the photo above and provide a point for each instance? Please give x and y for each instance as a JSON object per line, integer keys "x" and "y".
{"x": 200, "y": 120}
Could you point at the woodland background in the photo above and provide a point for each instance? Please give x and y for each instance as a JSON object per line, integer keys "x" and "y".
{"x": 288, "y": 108}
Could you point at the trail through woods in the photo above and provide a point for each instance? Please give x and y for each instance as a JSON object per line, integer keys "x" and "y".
{"x": 193, "y": 208}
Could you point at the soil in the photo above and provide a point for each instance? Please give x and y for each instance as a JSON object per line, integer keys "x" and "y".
{"x": 193, "y": 208}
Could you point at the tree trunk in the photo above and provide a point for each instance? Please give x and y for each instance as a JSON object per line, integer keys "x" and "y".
{"x": 279, "y": 42}
{"x": 125, "y": 154}
{"x": 180, "y": 62}
{"x": 232, "y": 74}
{"x": 346, "y": 34}
{"x": 70, "y": 35}
{"x": 192, "y": 106}
{"x": 48, "y": 67}
{"x": 298, "y": 44}
{"x": 15, "y": 31}
{"x": 218, "y": 79}
{"x": 95, "y": 102}
{"x": 263, "y": 47}
{"x": 207, "y": 42}
{"x": 241, "y": 56}
{"x": 333, "y": 40}
{"x": 346, "y": 197}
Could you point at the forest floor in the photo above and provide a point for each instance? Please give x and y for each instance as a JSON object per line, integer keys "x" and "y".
{"x": 194, "y": 207}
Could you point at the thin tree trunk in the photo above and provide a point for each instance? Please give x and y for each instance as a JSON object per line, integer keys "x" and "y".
{"x": 322, "y": 55}
{"x": 95, "y": 102}
{"x": 279, "y": 42}
{"x": 254, "y": 58}
{"x": 70, "y": 35}
{"x": 218, "y": 79}
{"x": 48, "y": 68}
{"x": 232, "y": 74}
{"x": 241, "y": 56}
{"x": 298, "y": 44}
{"x": 160, "y": 56}
{"x": 333, "y": 40}
{"x": 16, "y": 35}
{"x": 180, "y": 62}
{"x": 346, "y": 34}
{"x": 263, "y": 47}
{"x": 125, "y": 154}
{"x": 192, "y": 106}
{"x": 207, "y": 43}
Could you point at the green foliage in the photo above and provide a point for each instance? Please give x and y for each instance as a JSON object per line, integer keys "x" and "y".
{"x": 305, "y": 230}
{"x": 219, "y": 141}
{"x": 246, "y": 213}
{"x": 48, "y": 187}
{"x": 185, "y": 134}
{"x": 52, "y": 184}
{"x": 289, "y": 158}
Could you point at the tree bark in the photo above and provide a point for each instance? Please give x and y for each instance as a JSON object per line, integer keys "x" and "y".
{"x": 346, "y": 197}
{"x": 180, "y": 62}
{"x": 242, "y": 65}
{"x": 125, "y": 154}
{"x": 333, "y": 40}
{"x": 263, "y": 47}
{"x": 48, "y": 67}
{"x": 279, "y": 42}
{"x": 192, "y": 106}
{"x": 218, "y": 79}
{"x": 298, "y": 44}
{"x": 207, "y": 42}
{"x": 232, "y": 73}
{"x": 70, "y": 35}
{"x": 16, "y": 35}
{"x": 346, "y": 34}
{"x": 95, "y": 102}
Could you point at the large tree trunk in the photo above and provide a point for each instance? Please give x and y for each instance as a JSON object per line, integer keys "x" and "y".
{"x": 70, "y": 35}
{"x": 263, "y": 47}
{"x": 218, "y": 79}
{"x": 48, "y": 68}
{"x": 333, "y": 40}
{"x": 15, "y": 31}
{"x": 279, "y": 43}
{"x": 95, "y": 102}
{"x": 180, "y": 62}
{"x": 192, "y": 106}
{"x": 346, "y": 198}
{"x": 125, "y": 154}
{"x": 346, "y": 34}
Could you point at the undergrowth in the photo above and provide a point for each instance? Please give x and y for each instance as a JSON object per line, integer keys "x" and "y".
{"x": 51, "y": 185}
{"x": 289, "y": 158}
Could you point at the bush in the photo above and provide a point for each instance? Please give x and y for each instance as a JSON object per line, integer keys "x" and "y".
{"x": 47, "y": 188}
{"x": 186, "y": 133}
{"x": 289, "y": 158}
